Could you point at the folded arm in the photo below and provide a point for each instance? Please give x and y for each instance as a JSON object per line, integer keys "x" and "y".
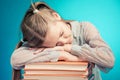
{"x": 25, "y": 55}
{"x": 95, "y": 50}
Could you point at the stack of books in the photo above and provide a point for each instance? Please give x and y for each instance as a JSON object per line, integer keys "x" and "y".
{"x": 58, "y": 71}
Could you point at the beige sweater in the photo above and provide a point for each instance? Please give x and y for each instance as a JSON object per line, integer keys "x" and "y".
{"x": 87, "y": 45}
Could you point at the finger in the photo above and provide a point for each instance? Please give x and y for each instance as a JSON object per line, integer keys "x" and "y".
{"x": 58, "y": 48}
{"x": 39, "y": 50}
{"x": 32, "y": 48}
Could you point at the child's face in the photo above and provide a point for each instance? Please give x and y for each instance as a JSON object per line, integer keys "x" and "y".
{"x": 58, "y": 35}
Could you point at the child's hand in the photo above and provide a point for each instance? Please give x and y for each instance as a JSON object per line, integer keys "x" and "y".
{"x": 58, "y": 48}
{"x": 66, "y": 56}
{"x": 67, "y": 47}
{"x": 38, "y": 50}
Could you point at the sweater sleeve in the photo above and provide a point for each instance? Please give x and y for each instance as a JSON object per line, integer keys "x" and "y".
{"x": 23, "y": 55}
{"x": 95, "y": 49}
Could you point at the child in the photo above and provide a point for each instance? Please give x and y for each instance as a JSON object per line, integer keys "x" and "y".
{"x": 47, "y": 37}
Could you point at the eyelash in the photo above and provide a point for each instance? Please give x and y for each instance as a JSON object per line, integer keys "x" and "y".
{"x": 62, "y": 34}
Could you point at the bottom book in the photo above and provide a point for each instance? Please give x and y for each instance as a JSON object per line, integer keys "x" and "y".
{"x": 33, "y": 77}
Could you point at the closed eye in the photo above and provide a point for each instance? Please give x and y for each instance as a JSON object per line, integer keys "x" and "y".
{"x": 61, "y": 34}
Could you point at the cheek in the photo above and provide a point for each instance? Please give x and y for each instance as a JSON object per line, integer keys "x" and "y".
{"x": 51, "y": 42}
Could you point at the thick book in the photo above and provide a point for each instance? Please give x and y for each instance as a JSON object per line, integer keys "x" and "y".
{"x": 58, "y": 72}
{"x": 73, "y": 66}
{"x": 37, "y": 77}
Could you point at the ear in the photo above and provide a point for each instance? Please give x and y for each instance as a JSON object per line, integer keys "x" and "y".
{"x": 56, "y": 16}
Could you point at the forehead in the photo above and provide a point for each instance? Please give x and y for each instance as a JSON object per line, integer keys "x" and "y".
{"x": 52, "y": 35}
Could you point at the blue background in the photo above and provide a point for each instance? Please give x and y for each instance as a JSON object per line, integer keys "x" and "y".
{"x": 104, "y": 14}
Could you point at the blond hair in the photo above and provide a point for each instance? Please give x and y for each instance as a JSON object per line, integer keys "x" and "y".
{"x": 35, "y": 25}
